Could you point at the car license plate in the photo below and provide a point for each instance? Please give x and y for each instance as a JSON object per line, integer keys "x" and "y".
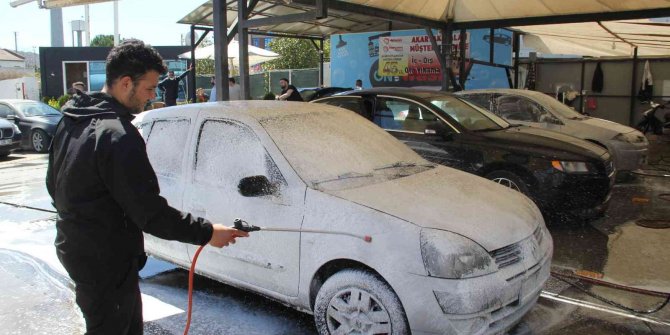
{"x": 6, "y": 142}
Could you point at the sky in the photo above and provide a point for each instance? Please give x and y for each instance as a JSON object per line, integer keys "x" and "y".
{"x": 153, "y": 21}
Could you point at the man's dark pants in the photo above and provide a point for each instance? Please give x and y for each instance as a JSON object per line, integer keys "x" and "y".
{"x": 170, "y": 102}
{"x": 113, "y": 305}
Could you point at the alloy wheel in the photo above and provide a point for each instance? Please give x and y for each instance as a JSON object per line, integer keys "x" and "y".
{"x": 354, "y": 311}
{"x": 508, "y": 183}
{"x": 38, "y": 141}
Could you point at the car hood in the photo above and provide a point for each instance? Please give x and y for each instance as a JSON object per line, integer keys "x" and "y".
{"x": 605, "y": 127}
{"x": 50, "y": 119}
{"x": 443, "y": 198}
{"x": 549, "y": 143}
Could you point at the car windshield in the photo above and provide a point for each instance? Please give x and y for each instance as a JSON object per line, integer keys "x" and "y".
{"x": 332, "y": 146}
{"x": 36, "y": 109}
{"x": 557, "y": 107}
{"x": 469, "y": 116}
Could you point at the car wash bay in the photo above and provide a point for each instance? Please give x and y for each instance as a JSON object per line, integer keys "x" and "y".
{"x": 38, "y": 296}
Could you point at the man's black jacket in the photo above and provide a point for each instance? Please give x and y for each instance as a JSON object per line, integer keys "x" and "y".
{"x": 106, "y": 191}
{"x": 171, "y": 86}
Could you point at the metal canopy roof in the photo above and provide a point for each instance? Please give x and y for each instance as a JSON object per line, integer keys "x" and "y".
{"x": 338, "y": 21}
{"x": 609, "y": 38}
{"x": 349, "y": 16}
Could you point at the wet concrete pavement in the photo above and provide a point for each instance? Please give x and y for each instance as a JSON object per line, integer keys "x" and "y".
{"x": 38, "y": 298}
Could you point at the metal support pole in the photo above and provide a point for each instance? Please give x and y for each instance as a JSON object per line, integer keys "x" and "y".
{"x": 221, "y": 50}
{"x": 87, "y": 17}
{"x": 116, "y": 23}
{"x": 517, "y": 40}
{"x": 439, "y": 52}
{"x": 56, "y": 18}
{"x": 462, "y": 76}
{"x": 633, "y": 88}
{"x": 448, "y": 38}
{"x": 242, "y": 34}
{"x": 321, "y": 74}
{"x": 581, "y": 89}
{"x": 491, "y": 44}
{"x": 191, "y": 76}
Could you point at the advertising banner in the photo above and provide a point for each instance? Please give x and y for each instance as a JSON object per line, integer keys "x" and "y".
{"x": 406, "y": 59}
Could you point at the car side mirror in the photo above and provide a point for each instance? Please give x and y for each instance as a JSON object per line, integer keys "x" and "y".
{"x": 553, "y": 120}
{"x": 11, "y": 117}
{"x": 256, "y": 186}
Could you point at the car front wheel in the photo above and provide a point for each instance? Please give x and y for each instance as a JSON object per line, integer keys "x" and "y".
{"x": 358, "y": 302}
{"x": 40, "y": 141}
{"x": 510, "y": 180}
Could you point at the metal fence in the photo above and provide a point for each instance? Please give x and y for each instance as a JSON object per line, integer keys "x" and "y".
{"x": 268, "y": 81}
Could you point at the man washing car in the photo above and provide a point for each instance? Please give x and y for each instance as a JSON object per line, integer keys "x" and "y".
{"x": 107, "y": 194}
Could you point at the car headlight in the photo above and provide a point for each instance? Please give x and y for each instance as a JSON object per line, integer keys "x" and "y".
{"x": 571, "y": 167}
{"x": 632, "y": 137}
{"x": 16, "y": 128}
{"x": 448, "y": 255}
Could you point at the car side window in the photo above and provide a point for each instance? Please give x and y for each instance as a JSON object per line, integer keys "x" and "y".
{"x": 166, "y": 145}
{"x": 5, "y": 111}
{"x": 352, "y": 104}
{"x": 481, "y": 100}
{"x": 521, "y": 109}
{"x": 144, "y": 128}
{"x": 229, "y": 151}
{"x": 397, "y": 114}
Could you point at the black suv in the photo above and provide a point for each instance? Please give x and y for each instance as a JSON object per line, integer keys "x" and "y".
{"x": 561, "y": 173}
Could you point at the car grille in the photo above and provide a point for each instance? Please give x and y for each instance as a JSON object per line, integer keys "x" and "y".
{"x": 507, "y": 256}
{"x": 6, "y": 132}
{"x": 513, "y": 253}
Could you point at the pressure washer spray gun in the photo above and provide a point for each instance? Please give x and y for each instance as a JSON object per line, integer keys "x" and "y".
{"x": 242, "y": 225}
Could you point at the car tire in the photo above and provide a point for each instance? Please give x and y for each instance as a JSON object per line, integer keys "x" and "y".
{"x": 510, "y": 180}
{"x": 39, "y": 141}
{"x": 360, "y": 302}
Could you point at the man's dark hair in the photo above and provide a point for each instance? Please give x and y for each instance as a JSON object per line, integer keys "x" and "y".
{"x": 232, "y": 80}
{"x": 132, "y": 58}
{"x": 284, "y": 79}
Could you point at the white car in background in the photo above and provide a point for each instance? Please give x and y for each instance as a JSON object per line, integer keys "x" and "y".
{"x": 627, "y": 145}
{"x": 449, "y": 253}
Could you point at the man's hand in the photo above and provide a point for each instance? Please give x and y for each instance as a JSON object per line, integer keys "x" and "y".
{"x": 222, "y": 235}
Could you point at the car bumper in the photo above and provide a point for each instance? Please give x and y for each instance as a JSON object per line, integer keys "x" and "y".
{"x": 489, "y": 304}
{"x": 8, "y": 148}
{"x": 575, "y": 193}
{"x": 629, "y": 157}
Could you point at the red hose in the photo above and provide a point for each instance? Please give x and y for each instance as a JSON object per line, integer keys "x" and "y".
{"x": 190, "y": 289}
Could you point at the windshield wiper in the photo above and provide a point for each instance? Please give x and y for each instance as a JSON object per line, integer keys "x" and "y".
{"x": 402, "y": 164}
{"x": 486, "y": 129}
{"x": 347, "y": 175}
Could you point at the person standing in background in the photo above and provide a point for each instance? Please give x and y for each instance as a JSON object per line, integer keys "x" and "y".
{"x": 288, "y": 91}
{"x": 212, "y": 93}
{"x": 359, "y": 85}
{"x": 234, "y": 90}
{"x": 170, "y": 87}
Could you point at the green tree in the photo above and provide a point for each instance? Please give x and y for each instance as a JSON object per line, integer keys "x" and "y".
{"x": 103, "y": 41}
{"x": 295, "y": 54}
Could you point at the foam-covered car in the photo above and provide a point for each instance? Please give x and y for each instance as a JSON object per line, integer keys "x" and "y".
{"x": 381, "y": 240}
{"x": 627, "y": 146}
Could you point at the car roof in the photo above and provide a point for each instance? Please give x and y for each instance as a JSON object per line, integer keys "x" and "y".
{"x": 256, "y": 109}
{"x": 398, "y": 91}
{"x": 516, "y": 91}
{"x": 13, "y": 101}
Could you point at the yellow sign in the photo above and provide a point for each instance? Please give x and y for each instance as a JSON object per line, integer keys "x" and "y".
{"x": 393, "y": 56}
